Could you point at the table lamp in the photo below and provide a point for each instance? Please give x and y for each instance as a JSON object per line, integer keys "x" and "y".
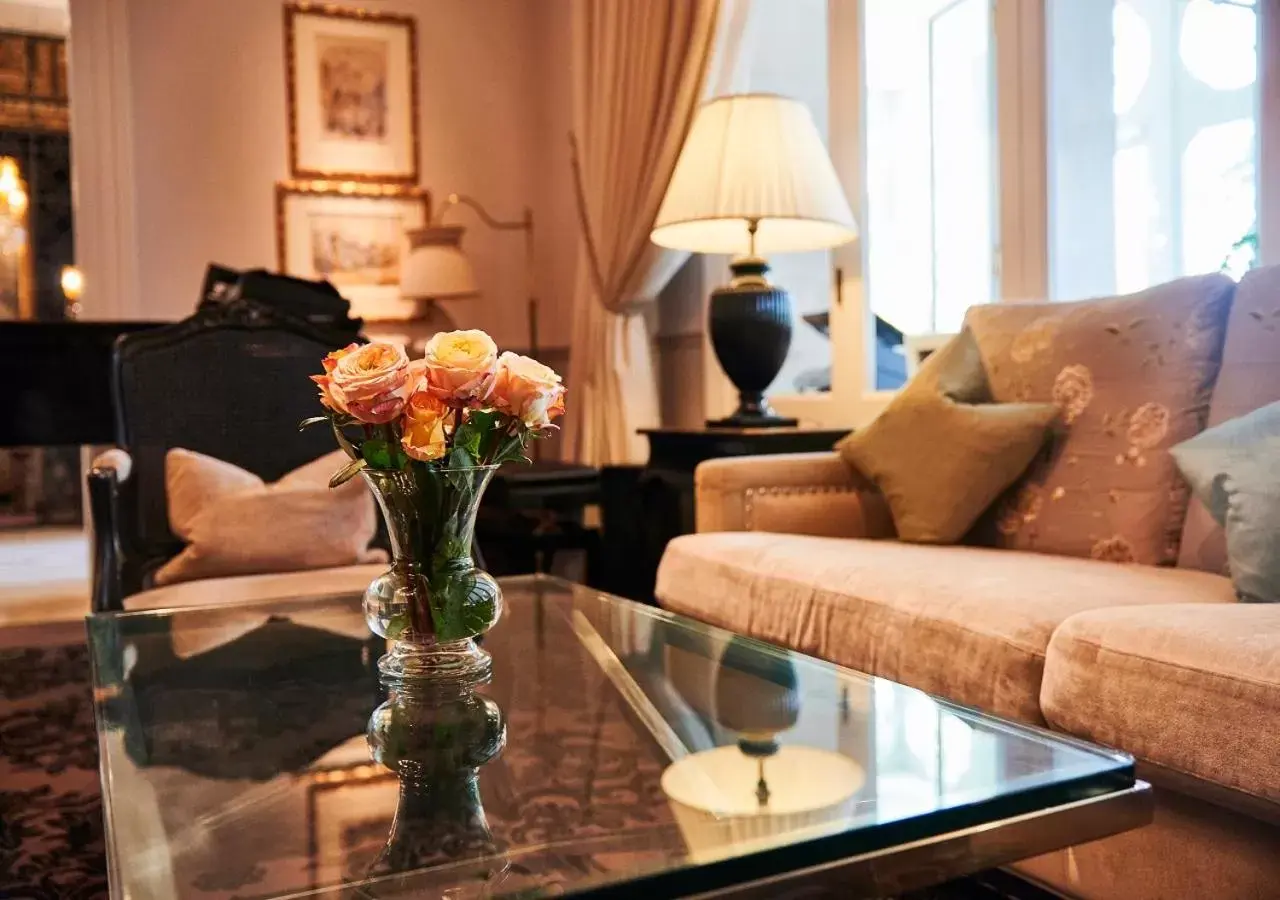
{"x": 753, "y": 177}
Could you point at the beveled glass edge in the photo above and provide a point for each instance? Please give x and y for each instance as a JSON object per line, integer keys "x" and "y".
{"x": 101, "y": 730}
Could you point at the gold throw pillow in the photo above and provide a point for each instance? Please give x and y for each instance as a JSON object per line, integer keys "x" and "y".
{"x": 940, "y": 463}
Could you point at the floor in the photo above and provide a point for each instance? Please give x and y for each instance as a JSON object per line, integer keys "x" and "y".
{"x": 44, "y": 575}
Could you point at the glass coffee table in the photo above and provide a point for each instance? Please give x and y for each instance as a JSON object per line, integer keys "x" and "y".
{"x": 617, "y": 749}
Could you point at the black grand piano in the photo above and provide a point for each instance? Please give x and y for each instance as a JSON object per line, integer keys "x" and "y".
{"x": 57, "y": 375}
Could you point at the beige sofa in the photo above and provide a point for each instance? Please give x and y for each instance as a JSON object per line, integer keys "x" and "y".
{"x": 1163, "y": 663}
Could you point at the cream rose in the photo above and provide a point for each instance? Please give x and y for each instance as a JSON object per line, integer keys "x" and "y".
{"x": 330, "y": 362}
{"x": 460, "y": 367}
{"x": 372, "y": 383}
{"x": 423, "y": 427}
{"x": 528, "y": 390}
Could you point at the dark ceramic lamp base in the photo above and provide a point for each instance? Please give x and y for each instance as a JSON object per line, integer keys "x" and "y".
{"x": 750, "y": 325}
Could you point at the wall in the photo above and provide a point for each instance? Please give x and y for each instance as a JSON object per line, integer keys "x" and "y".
{"x": 206, "y": 86}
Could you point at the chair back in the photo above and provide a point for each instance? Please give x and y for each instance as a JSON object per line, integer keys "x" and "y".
{"x": 230, "y": 382}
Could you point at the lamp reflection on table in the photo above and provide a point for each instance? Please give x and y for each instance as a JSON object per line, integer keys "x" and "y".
{"x": 757, "y": 789}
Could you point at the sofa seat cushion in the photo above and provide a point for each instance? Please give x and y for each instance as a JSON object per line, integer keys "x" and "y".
{"x": 233, "y": 600}
{"x": 967, "y": 623}
{"x": 1194, "y": 688}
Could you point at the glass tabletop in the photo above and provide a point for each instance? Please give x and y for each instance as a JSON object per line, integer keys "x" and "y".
{"x": 616, "y": 744}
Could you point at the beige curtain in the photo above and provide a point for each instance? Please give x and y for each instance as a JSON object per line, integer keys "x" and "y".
{"x": 640, "y": 69}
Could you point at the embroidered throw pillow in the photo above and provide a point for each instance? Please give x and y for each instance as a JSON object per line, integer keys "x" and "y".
{"x": 236, "y": 524}
{"x": 1132, "y": 376}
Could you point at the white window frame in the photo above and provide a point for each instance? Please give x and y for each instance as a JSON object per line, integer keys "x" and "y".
{"x": 1021, "y": 127}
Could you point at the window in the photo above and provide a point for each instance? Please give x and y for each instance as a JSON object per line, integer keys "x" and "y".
{"x": 999, "y": 150}
{"x": 1151, "y": 158}
{"x": 930, "y": 212}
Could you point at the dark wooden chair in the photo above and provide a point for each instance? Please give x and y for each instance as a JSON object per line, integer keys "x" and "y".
{"x": 230, "y": 382}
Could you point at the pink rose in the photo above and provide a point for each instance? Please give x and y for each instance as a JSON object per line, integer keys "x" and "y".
{"x": 423, "y": 427}
{"x": 324, "y": 381}
{"x": 528, "y": 390}
{"x": 460, "y": 367}
{"x": 372, "y": 383}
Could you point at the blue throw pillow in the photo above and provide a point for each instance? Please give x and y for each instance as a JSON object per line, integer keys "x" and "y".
{"x": 1234, "y": 468}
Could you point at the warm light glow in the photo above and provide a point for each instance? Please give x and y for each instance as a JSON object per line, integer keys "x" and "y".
{"x": 72, "y": 283}
{"x": 18, "y": 202}
{"x": 754, "y": 157}
{"x": 9, "y": 179}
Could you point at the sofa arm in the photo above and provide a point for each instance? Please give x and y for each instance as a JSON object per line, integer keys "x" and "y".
{"x": 794, "y": 493}
{"x": 108, "y": 471}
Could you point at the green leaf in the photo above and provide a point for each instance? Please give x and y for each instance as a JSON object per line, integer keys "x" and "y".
{"x": 481, "y": 432}
{"x": 383, "y": 454}
{"x": 347, "y": 472}
{"x": 313, "y": 420}
{"x": 470, "y": 439}
{"x": 513, "y": 448}
{"x": 460, "y": 458}
{"x": 397, "y": 626}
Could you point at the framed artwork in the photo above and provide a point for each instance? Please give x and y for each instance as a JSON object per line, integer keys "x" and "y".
{"x": 33, "y": 82}
{"x": 349, "y": 816}
{"x": 353, "y": 94}
{"x": 352, "y": 236}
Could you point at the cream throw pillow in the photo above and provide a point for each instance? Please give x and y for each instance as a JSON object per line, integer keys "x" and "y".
{"x": 236, "y": 524}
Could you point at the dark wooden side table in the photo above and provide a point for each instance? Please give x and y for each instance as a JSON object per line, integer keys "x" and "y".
{"x": 644, "y": 507}
{"x": 532, "y": 512}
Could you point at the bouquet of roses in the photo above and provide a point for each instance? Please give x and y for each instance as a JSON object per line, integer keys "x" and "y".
{"x": 426, "y": 435}
{"x": 462, "y": 405}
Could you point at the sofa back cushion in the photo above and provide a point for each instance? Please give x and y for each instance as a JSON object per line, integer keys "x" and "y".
{"x": 1250, "y": 379}
{"x": 1131, "y": 376}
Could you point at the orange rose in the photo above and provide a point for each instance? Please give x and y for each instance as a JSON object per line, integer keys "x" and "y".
{"x": 528, "y": 390}
{"x": 460, "y": 367}
{"x": 372, "y": 383}
{"x": 330, "y": 362}
{"x": 423, "y": 426}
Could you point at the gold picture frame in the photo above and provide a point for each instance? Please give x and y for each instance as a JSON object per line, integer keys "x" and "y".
{"x": 352, "y": 235}
{"x": 350, "y": 811}
{"x": 352, "y": 90}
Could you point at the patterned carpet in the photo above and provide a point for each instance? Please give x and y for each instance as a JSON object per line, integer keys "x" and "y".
{"x": 51, "y": 840}
{"x": 51, "y": 845}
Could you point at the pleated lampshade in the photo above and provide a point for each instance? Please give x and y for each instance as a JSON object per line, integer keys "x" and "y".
{"x": 754, "y": 157}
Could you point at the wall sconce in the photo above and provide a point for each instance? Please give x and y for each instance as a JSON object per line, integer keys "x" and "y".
{"x": 72, "y": 282}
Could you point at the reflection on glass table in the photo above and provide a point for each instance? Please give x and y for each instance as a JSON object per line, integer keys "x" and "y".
{"x": 250, "y": 751}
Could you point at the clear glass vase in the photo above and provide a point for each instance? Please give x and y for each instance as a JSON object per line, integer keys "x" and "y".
{"x": 433, "y": 602}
